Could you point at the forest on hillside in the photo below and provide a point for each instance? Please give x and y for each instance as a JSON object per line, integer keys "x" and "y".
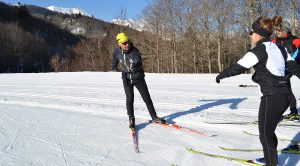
{"x": 42, "y": 42}
{"x": 181, "y": 36}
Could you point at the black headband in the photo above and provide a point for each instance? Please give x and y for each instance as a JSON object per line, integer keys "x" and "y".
{"x": 262, "y": 32}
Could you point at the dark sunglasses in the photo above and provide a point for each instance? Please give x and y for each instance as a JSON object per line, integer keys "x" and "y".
{"x": 125, "y": 43}
{"x": 251, "y": 33}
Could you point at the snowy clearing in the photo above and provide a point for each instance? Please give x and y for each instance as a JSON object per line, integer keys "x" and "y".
{"x": 79, "y": 119}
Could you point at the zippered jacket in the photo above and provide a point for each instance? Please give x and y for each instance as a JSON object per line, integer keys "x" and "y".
{"x": 130, "y": 61}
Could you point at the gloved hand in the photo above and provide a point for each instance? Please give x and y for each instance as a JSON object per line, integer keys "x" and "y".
{"x": 218, "y": 79}
{"x": 296, "y": 42}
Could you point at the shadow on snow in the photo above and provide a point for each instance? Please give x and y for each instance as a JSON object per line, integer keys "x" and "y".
{"x": 212, "y": 103}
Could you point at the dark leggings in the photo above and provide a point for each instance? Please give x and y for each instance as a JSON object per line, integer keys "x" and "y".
{"x": 270, "y": 111}
{"x": 143, "y": 89}
{"x": 292, "y": 99}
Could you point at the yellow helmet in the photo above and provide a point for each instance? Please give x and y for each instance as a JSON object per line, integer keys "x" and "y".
{"x": 121, "y": 38}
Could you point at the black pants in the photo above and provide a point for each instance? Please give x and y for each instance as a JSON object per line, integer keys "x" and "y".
{"x": 143, "y": 89}
{"x": 292, "y": 99}
{"x": 270, "y": 111}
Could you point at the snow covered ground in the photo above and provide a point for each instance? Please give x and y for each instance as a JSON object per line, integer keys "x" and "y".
{"x": 76, "y": 119}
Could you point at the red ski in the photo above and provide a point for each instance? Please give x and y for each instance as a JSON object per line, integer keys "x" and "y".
{"x": 136, "y": 147}
{"x": 178, "y": 127}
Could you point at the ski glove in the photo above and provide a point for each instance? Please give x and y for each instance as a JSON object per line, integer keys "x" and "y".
{"x": 218, "y": 78}
{"x": 296, "y": 42}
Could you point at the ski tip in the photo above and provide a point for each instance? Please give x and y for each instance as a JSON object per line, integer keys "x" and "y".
{"x": 189, "y": 149}
{"x": 244, "y": 86}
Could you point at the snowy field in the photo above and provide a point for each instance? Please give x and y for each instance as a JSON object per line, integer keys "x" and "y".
{"x": 79, "y": 119}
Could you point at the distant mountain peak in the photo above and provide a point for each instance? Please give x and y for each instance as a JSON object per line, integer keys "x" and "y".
{"x": 68, "y": 10}
{"x": 138, "y": 25}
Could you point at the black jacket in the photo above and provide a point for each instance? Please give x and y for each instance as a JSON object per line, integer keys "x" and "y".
{"x": 130, "y": 61}
{"x": 269, "y": 62}
{"x": 287, "y": 42}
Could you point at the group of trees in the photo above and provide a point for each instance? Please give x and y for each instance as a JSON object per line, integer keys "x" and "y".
{"x": 18, "y": 51}
{"x": 21, "y": 51}
{"x": 27, "y": 43}
{"x": 205, "y": 36}
{"x": 181, "y": 36}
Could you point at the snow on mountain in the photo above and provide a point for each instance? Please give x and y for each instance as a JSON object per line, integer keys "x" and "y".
{"x": 138, "y": 25}
{"x": 68, "y": 10}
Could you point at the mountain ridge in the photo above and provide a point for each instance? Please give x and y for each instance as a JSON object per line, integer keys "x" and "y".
{"x": 68, "y": 10}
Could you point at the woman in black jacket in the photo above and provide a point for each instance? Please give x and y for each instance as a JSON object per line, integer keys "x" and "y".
{"x": 130, "y": 60}
{"x": 285, "y": 38}
{"x": 269, "y": 61}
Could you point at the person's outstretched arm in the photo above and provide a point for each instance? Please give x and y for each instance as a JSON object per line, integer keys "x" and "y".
{"x": 240, "y": 67}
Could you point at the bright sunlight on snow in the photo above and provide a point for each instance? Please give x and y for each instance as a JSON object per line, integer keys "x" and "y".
{"x": 79, "y": 119}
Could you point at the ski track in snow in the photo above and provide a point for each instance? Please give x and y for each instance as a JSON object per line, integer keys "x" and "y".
{"x": 68, "y": 119}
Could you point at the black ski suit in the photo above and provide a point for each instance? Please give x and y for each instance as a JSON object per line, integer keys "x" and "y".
{"x": 269, "y": 62}
{"x": 133, "y": 75}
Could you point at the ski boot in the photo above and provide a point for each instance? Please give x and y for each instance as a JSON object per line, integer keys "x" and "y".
{"x": 292, "y": 147}
{"x": 291, "y": 116}
{"x": 131, "y": 122}
{"x": 260, "y": 161}
{"x": 159, "y": 120}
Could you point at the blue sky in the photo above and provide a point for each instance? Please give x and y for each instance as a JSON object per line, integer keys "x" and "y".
{"x": 102, "y": 9}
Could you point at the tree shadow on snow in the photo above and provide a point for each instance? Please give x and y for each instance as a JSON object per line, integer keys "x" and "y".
{"x": 169, "y": 118}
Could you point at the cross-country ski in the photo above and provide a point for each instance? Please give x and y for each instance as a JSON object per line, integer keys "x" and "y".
{"x": 249, "y": 162}
{"x": 135, "y": 142}
{"x": 286, "y": 150}
{"x": 185, "y": 129}
{"x": 281, "y": 139}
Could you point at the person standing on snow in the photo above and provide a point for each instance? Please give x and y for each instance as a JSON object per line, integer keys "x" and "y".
{"x": 133, "y": 76}
{"x": 269, "y": 61}
{"x": 285, "y": 38}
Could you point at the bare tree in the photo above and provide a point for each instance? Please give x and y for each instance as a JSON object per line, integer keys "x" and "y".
{"x": 251, "y": 8}
{"x": 122, "y": 17}
{"x": 191, "y": 37}
{"x": 87, "y": 53}
{"x": 153, "y": 14}
{"x": 54, "y": 63}
{"x": 172, "y": 31}
{"x": 206, "y": 9}
{"x": 293, "y": 16}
